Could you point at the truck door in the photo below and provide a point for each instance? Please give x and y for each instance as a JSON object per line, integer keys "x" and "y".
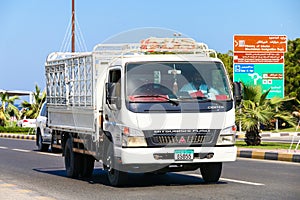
{"x": 113, "y": 104}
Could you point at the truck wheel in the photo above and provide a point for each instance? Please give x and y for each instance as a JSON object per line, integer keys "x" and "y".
{"x": 72, "y": 160}
{"x": 39, "y": 141}
{"x": 211, "y": 172}
{"x": 87, "y": 166}
{"x": 115, "y": 176}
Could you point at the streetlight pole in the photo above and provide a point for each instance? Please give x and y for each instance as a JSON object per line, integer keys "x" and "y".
{"x": 73, "y": 25}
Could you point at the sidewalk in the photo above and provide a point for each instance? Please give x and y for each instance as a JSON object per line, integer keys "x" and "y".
{"x": 270, "y": 134}
{"x": 276, "y": 154}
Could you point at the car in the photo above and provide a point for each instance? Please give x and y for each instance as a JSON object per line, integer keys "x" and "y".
{"x": 27, "y": 123}
{"x": 43, "y": 132}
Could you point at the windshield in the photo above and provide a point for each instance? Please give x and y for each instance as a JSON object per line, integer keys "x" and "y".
{"x": 153, "y": 82}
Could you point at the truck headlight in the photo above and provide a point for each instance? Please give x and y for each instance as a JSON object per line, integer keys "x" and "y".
{"x": 227, "y": 136}
{"x": 133, "y": 138}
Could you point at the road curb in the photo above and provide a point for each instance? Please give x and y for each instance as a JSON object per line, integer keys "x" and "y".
{"x": 266, "y": 155}
{"x": 17, "y": 136}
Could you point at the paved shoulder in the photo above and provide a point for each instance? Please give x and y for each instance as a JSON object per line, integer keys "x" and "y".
{"x": 12, "y": 192}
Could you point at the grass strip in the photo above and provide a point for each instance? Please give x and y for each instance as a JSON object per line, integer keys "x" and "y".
{"x": 267, "y": 145}
{"x": 17, "y": 130}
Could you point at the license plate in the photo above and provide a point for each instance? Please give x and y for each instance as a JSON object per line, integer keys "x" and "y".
{"x": 184, "y": 155}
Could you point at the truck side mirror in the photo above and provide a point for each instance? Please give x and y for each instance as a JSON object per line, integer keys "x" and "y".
{"x": 238, "y": 92}
{"x": 113, "y": 95}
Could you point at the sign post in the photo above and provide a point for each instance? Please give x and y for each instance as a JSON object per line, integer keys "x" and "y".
{"x": 259, "y": 60}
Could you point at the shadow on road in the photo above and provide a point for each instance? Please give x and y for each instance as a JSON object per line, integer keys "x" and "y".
{"x": 135, "y": 179}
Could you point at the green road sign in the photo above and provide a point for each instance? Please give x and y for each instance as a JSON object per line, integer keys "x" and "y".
{"x": 264, "y": 75}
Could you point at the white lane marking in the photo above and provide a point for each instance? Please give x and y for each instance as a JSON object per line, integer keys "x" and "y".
{"x": 49, "y": 154}
{"x": 22, "y": 150}
{"x": 242, "y": 182}
{"x": 233, "y": 180}
{"x": 29, "y": 151}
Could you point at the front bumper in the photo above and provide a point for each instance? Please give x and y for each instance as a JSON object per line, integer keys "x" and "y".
{"x": 165, "y": 155}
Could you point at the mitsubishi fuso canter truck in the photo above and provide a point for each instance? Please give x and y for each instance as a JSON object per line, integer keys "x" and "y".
{"x": 158, "y": 106}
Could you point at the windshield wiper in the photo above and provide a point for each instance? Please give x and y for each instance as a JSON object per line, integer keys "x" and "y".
{"x": 173, "y": 101}
{"x": 192, "y": 98}
{"x": 201, "y": 100}
{"x": 212, "y": 101}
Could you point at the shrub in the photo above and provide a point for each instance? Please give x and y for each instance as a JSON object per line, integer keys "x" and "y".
{"x": 14, "y": 129}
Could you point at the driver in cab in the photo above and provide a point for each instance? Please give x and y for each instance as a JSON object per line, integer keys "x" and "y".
{"x": 198, "y": 87}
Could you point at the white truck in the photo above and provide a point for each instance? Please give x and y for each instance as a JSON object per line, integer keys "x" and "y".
{"x": 123, "y": 105}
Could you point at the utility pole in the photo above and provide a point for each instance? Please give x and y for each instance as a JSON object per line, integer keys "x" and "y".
{"x": 73, "y": 25}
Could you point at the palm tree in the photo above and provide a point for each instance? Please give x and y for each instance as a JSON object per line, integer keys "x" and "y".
{"x": 257, "y": 110}
{"x": 32, "y": 109}
{"x": 7, "y": 108}
{"x": 277, "y": 105}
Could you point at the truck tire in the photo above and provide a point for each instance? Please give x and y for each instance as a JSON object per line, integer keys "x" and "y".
{"x": 39, "y": 142}
{"x": 115, "y": 176}
{"x": 88, "y": 163}
{"x": 211, "y": 172}
{"x": 72, "y": 160}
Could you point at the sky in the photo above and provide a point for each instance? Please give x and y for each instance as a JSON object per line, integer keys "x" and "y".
{"x": 31, "y": 29}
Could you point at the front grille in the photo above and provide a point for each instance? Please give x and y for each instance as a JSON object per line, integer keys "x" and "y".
{"x": 181, "y": 137}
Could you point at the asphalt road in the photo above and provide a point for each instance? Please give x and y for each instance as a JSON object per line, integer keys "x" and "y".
{"x": 28, "y": 174}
